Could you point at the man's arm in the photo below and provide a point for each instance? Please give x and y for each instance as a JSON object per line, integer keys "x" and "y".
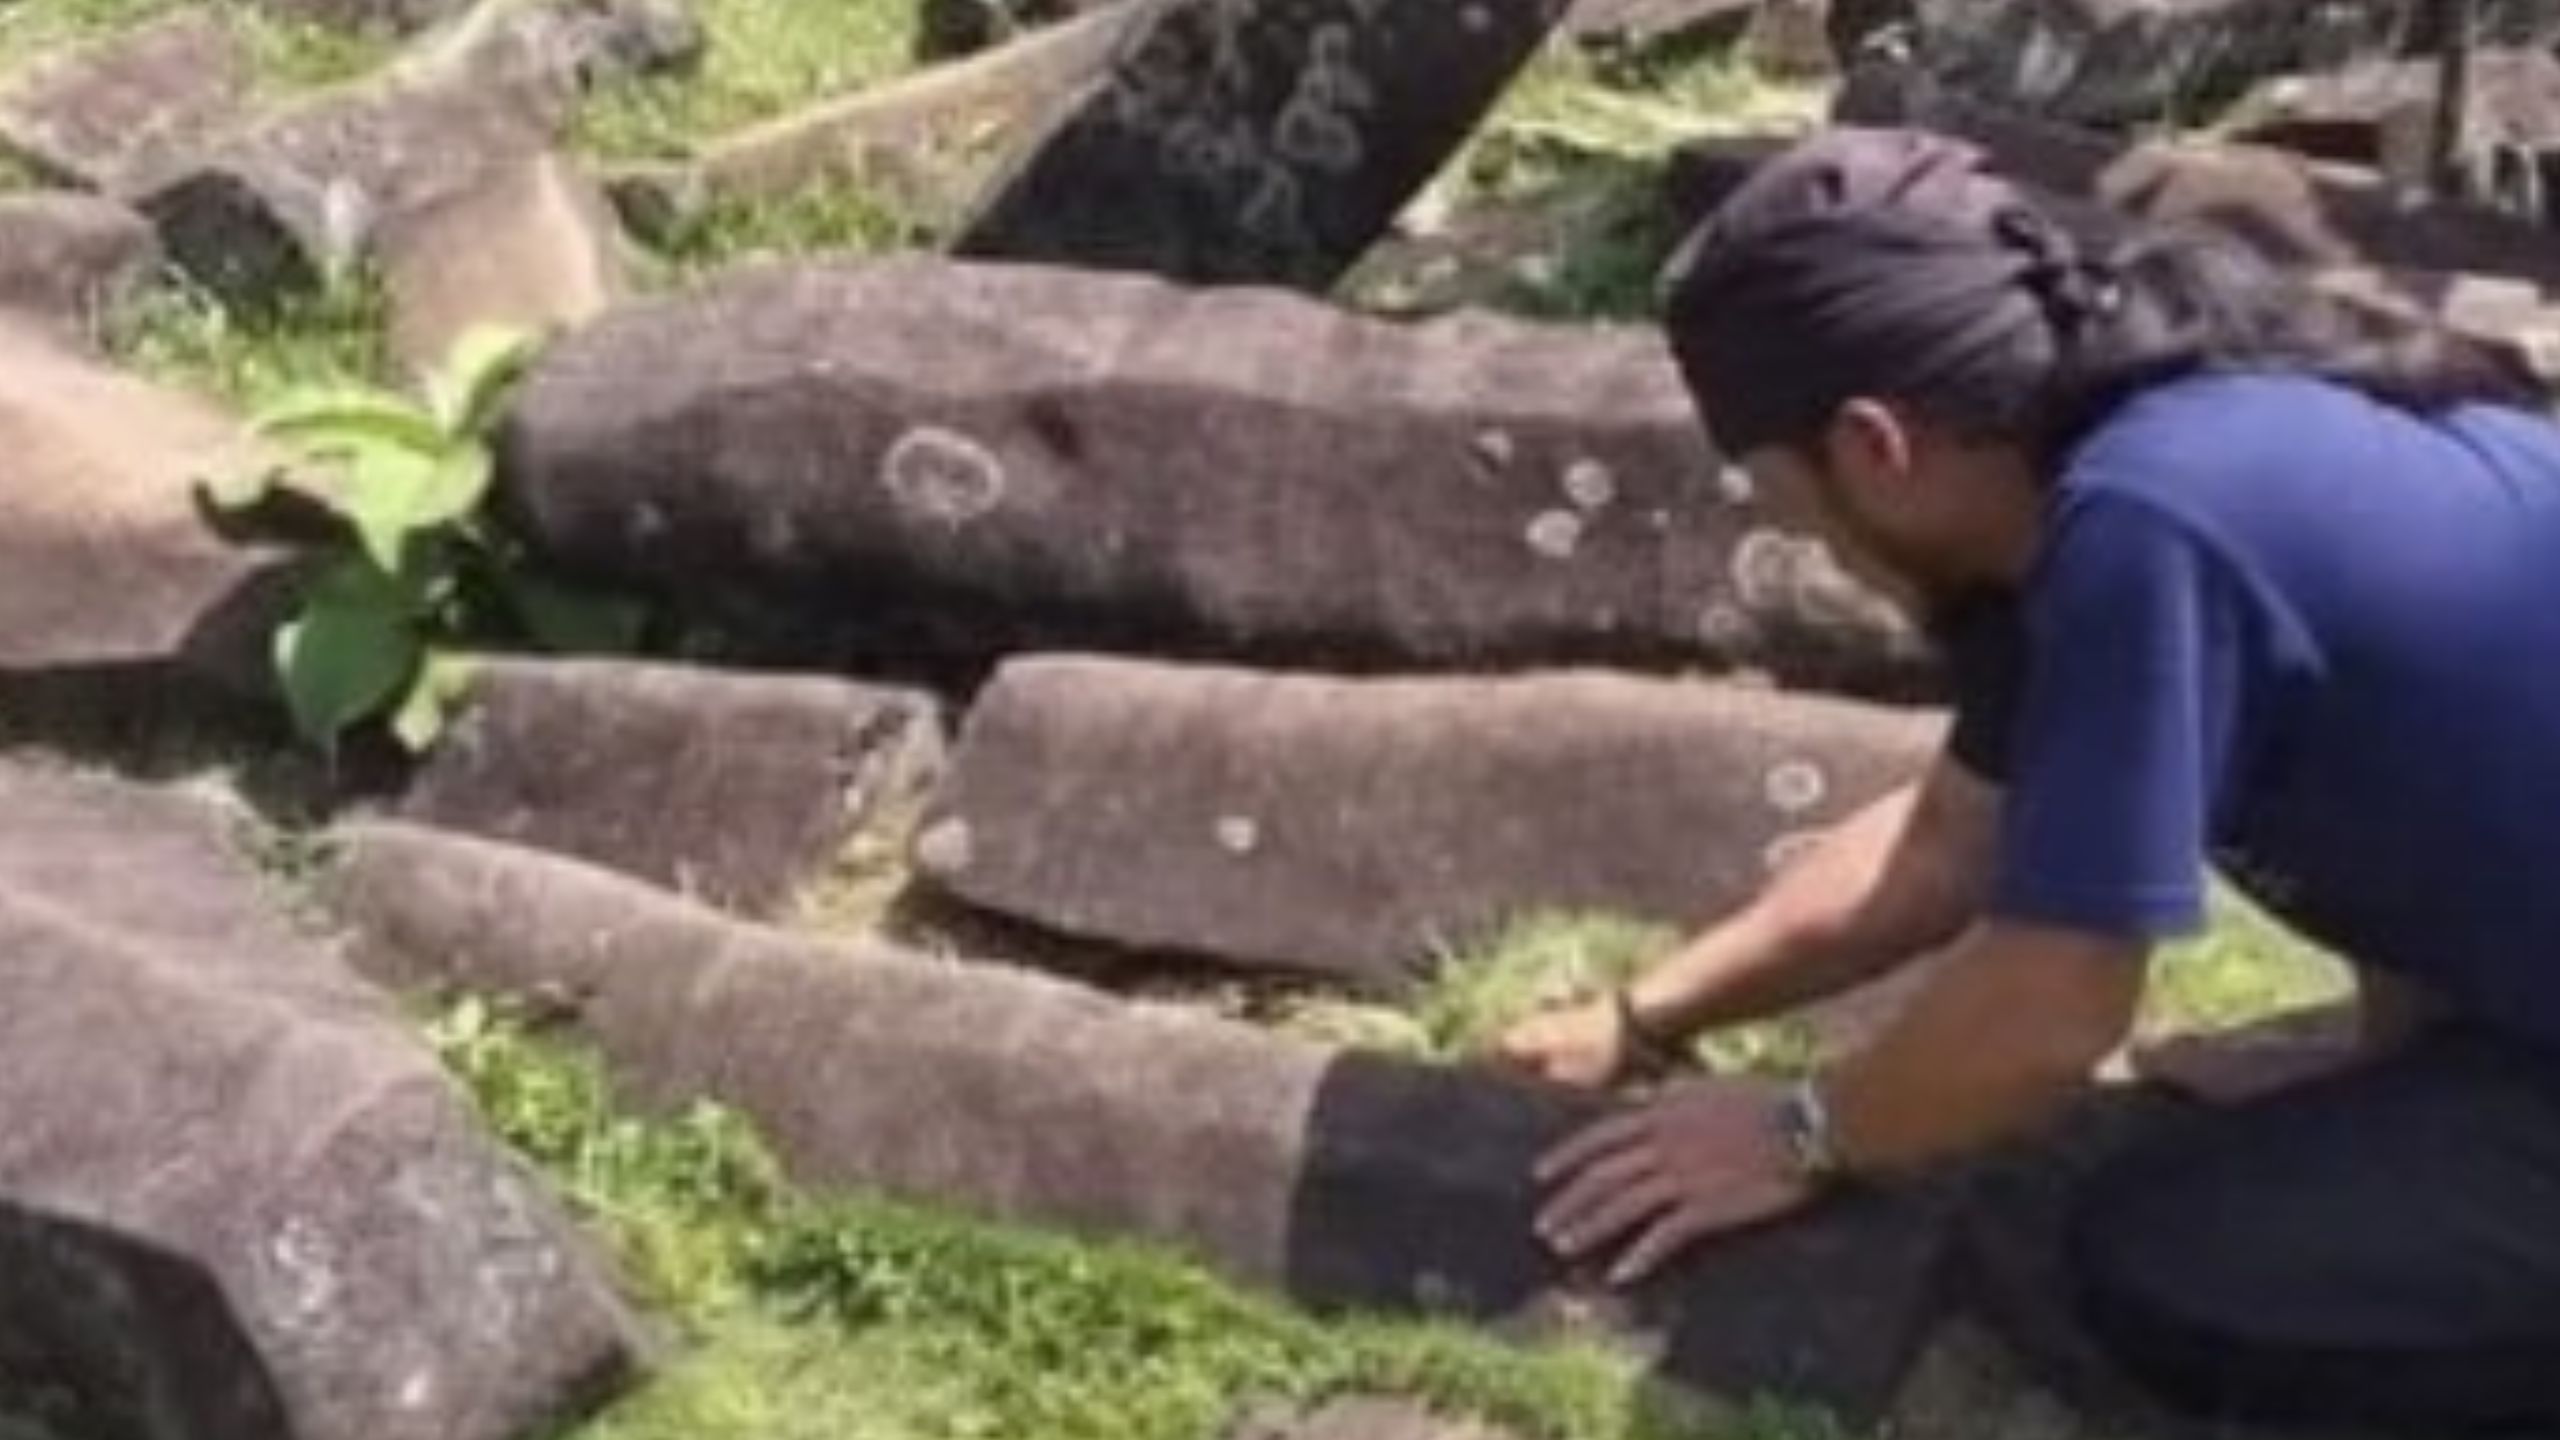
{"x": 1894, "y": 881}
{"x": 1891, "y": 882}
{"x": 2007, "y": 1033}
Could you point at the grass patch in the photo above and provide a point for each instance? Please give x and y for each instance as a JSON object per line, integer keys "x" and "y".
{"x": 2247, "y": 968}
{"x": 840, "y": 217}
{"x": 765, "y": 58}
{"x": 802, "y": 1318}
{"x": 177, "y": 332}
{"x": 286, "y": 55}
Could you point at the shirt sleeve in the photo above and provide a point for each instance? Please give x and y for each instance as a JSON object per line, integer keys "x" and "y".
{"x": 2122, "y": 744}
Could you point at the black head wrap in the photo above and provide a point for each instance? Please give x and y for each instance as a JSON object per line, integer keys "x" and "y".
{"x": 1874, "y": 263}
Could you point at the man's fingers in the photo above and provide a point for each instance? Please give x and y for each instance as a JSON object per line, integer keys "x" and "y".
{"x": 1593, "y": 1189}
{"x": 1590, "y": 1143}
{"x": 1666, "y": 1238}
{"x": 1614, "y": 1214}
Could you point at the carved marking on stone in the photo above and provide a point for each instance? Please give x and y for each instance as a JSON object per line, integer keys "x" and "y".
{"x": 1239, "y": 835}
{"x": 1798, "y": 577}
{"x": 1496, "y": 448}
{"x": 1590, "y": 485}
{"x": 1794, "y": 787}
{"x": 1734, "y": 484}
{"x": 943, "y": 475}
{"x": 946, "y": 848}
{"x": 1556, "y": 534}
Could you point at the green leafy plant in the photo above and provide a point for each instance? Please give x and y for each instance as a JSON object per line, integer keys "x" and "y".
{"x": 410, "y": 568}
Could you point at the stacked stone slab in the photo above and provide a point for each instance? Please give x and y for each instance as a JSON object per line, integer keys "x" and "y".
{"x": 738, "y": 789}
{"x": 236, "y": 1197}
{"x": 1357, "y": 829}
{"x": 1257, "y": 140}
{"x": 921, "y": 461}
{"x": 1337, "y": 1178}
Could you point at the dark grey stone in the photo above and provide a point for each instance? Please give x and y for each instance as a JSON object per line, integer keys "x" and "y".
{"x": 67, "y": 259}
{"x": 916, "y": 461}
{"x": 201, "y": 1099}
{"x": 106, "y": 559}
{"x": 106, "y": 115}
{"x": 740, "y": 789}
{"x": 1336, "y": 1178}
{"x": 1355, "y": 828}
{"x": 1650, "y": 29}
{"x": 2127, "y": 62}
{"x": 273, "y": 207}
{"x": 1257, "y": 140}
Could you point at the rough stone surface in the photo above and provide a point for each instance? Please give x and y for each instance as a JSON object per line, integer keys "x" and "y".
{"x": 1363, "y": 1417}
{"x": 2381, "y": 113}
{"x": 535, "y": 247}
{"x": 1640, "y": 29}
{"x": 2298, "y": 211}
{"x": 1284, "y": 1164}
{"x": 946, "y": 29}
{"x": 1352, "y": 828}
{"x": 106, "y": 561}
{"x": 66, "y": 258}
{"x": 912, "y": 460}
{"x": 1256, "y": 140}
{"x": 104, "y": 116}
{"x": 912, "y": 136}
{"x": 275, "y": 205}
{"x": 736, "y": 788}
{"x": 2124, "y": 62}
{"x": 207, "y": 1113}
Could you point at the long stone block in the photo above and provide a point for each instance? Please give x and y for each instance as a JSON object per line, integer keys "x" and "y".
{"x": 1336, "y": 1178}
{"x": 1257, "y": 140}
{"x": 1355, "y": 828}
{"x": 916, "y": 461}
{"x": 237, "y": 1198}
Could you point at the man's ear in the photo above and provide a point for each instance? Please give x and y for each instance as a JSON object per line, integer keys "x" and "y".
{"x": 1866, "y": 439}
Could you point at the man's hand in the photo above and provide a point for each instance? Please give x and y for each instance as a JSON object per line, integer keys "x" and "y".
{"x": 1584, "y": 1045}
{"x": 1704, "y": 1159}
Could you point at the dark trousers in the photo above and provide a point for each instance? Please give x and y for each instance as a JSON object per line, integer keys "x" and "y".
{"x": 2379, "y": 1251}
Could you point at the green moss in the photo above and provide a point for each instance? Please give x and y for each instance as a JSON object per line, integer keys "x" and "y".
{"x": 810, "y": 1319}
{"x": 286, "y": 54}
{"x": 838, "y": 217}
{"x": 178, "y": 333}
{"x": 766, "y": 58}
{"x": 2247, "y": 968}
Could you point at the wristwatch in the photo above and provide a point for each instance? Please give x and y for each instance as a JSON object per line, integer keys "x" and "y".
{"x": 1802, "y": 1119}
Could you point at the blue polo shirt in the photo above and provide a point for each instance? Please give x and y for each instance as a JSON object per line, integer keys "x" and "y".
{"x": 2283, "y": 629}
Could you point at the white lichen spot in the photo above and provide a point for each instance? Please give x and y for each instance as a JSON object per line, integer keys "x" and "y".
{"x": 1794, "y": 787}
{"x": 304, "y": 1259}
{"x": 1476, "y": 18}
{"x": 1239, "y": 835}
{"x": 945, "y": 848}
{"x": 417, "y": 1391}
{"x": 1734, "y": 485}
{"x": 1724, "y": 626}
{"x": 1556, "y": 534}
{"x": 942, "y": 475}
{"x": 1496, "y": 448}
{"x": 1789, "y": 848}
{"x": 1589, "y": 484}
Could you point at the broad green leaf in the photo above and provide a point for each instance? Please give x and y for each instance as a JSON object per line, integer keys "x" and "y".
{"x": 440, "y": 684}
{"x": 390, "y": 498}
{"x": 241, "y": 490}
{"x": 567, "y": 621}
{"x": 477, "y": 376}
{"x": 339, "y": 664}
{"x": 454, "y": 488}
{"x": 348, "y": 423}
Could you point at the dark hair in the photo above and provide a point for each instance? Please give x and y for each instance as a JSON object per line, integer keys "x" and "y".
{"x": 1889, "y": 263}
